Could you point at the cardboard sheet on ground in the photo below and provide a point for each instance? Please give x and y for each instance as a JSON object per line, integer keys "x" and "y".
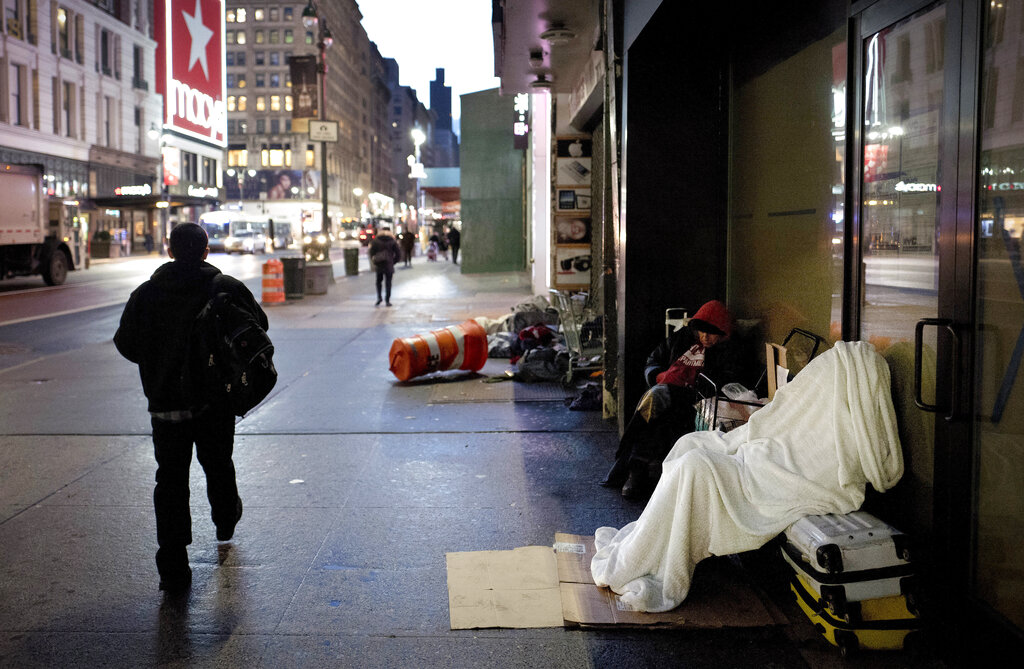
{"x": 536, "y": 586}
{"x": 516, "y": 588}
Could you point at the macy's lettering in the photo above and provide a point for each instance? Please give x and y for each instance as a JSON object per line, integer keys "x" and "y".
{"x": 195, "y": 107}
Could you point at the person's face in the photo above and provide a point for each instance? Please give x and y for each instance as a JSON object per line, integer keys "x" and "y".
{"x": 707, "y": 340}
{"x": 285, "y": 181}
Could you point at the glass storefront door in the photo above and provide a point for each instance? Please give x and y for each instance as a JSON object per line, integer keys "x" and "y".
{"x": 997, "y": 568}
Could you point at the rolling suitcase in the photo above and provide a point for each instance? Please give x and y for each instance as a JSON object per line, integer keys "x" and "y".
{"x": 850, "y": 558}
{"x": 879, "y": 624}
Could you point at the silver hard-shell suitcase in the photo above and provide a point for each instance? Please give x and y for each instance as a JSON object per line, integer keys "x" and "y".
{"x": 850, "y": 558}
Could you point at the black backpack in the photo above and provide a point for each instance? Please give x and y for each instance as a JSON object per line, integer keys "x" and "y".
{"x": 230, "y": 356}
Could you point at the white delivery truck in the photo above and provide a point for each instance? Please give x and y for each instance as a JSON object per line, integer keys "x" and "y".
{"x": 38, "y": 234}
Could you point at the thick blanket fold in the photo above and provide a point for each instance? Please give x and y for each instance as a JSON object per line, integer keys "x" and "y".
{"x": 811, "y": 451}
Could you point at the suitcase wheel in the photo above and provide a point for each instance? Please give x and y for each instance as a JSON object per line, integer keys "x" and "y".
{"x": 847, "y": 643}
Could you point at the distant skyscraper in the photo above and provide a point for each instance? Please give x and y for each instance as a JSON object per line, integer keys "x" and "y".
{"x": 446, "y": 144}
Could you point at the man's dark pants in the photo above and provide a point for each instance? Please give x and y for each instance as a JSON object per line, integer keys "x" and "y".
{"x": 213, "y": 434}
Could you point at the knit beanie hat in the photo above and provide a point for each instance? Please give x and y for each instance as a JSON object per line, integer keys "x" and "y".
{"x": 713, "y": 318}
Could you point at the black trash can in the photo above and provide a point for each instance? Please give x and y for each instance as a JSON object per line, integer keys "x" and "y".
{"x": 294, "y": 278}
{"x": 351, "y": 261}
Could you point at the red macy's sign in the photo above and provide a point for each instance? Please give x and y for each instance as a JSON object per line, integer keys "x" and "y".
{"x": 190, "y": 67}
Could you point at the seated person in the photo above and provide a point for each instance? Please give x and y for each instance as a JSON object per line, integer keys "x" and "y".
{"x": 666, "y": 412}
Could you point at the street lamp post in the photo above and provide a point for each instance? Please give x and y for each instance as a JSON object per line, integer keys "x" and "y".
{"x": 416, "y": 172}
{"x": 311, "y": 19}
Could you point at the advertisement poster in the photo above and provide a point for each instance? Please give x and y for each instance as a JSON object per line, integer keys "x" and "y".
{"x": 572, "y": 230}
{"x": 573, "y": 161}
{"x": 272, "y": 185}
{"x": 572, "y": 266}
{"x": 572, "y": 199}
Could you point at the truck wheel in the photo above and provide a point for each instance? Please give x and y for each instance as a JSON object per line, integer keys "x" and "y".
{"x": 56, "y": 271}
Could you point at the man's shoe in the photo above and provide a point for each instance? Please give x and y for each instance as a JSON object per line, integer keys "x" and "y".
{"x": 617, "y": 475}
{"x": 177, "y": 583}
{"x": 637, "y": 486}
{"x": 377, "y": 304}
{"x": 225, "y": 532}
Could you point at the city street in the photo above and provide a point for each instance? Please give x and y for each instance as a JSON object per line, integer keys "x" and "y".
{"x": 355, "y": 487}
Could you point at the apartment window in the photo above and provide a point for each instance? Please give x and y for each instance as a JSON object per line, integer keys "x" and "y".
{"x": 189, "y": 166}
{"x": 261, "y": 103}
{"x": 273, "y": 14}
{"x": 67, "y": 108}
{"x": 64, "y": 32}
{"x": 238, "y": 157}
{"x": 275, "y": 126}
{"x": 275, "y": 37}
{"x": 309, "y": 37}
{"x": 259, "y": 57}
{"x": 229, "y": 16}
{"x": 261, "y": 126}
{"x": 229, "y": 37}
{"x": 138, "y": 63}
{"x": 275, "y": 58}
{"x": 240, "y": 81}
{"x": 240, "y": 59}
{"x": 259, "y": 37}
{"x": 109, "y": 121}
{"x": 288, "y": 125}
{"x": 230, "y": 80}
{"x": 240, "y": 37}
{"x": 19, "y": 95}
{"x": 242, "y": 102}
{"x": 243, "y": 127}
{"x": 261, "y": 80}
{"x": 275, "y": 80}
{"x": 288, "y": 14}
{"x": 289, "y": 36}
{"x": 310, "y": 156}
{"x": 231, "y": 127}
{"x": 231, "y": 103}
{"x": 288, "y": 103}
{"x": 259, "y": 14}
{"x": 275, "y": 103}
{"x": 240, "y": 15}
{"x": 229, "y": 58}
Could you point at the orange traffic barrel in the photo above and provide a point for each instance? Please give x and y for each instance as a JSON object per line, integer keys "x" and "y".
{"x": 273, "y": 282}
{"x": 455, "y": 347}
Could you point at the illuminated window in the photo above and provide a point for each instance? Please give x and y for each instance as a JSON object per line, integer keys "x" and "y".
{"x": 310, "y": 156}
{"x": 240, "y": 37}
{"x": 309, "y": 37}
{"x": 275, "y": 103}
{"x": 288, "y": 103}
{"x": 289, "y": 36}
{"x": 260, "y": 37}
{"x": 287, "y": 152}
{"x": 238, "y": 158}
{"x": 231, "y": 103}
{"x": 242, "y": 100}
{"x": 241, "y": 81}
{"x": 229, "y": 17}
{"x": 240, "y": 14}
{"x": 276, "y": 157}
{"x": 261, "y": 103}
{"x": 258, "y": 14}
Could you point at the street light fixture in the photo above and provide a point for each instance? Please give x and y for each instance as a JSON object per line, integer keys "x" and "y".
{"x": 311, "y": 19}
{"x": 417, "y": 173}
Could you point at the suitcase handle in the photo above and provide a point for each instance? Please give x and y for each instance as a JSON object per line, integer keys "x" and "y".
{"x": 918, "y": 355}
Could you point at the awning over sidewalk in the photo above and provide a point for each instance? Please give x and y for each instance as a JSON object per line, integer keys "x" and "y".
{"x": 149, "y": 201}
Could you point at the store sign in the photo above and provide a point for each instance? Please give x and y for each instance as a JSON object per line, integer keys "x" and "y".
{"x": 200, "y": 191}
{"x": 144, "y": 189}
{"x": 904, "y": 187}
{"x": 520, "y": 120}
{"x": 190, "y": 55}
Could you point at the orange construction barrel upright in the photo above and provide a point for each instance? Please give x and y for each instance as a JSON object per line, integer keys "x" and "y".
{"x": 461, "y": 346}
{"x": 273, "y": 282}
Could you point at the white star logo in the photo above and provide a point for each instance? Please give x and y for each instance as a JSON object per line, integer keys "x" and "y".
{"x": 200, "y": 38}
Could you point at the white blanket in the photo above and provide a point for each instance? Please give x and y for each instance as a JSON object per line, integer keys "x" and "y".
{"x": 811, "y": 451}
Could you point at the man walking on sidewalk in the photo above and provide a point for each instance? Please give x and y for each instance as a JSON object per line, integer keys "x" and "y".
{"x": 154, "y": 333}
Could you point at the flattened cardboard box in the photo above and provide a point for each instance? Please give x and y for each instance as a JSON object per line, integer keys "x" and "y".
{"x": 715, "y": 600}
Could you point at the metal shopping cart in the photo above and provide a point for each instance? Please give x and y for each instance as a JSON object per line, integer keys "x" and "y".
{"x": 582, "y": 336}
{"x": 717, "y": 412}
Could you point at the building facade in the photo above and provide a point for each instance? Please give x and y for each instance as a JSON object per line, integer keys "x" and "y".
{"x": 842, "y": 168}
{"x": 77, "y": 80}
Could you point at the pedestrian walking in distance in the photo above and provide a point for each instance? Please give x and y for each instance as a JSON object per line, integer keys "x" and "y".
{"x": 408, "y": 243}
{"x": 154, "y": 333}
{"x": 384, "y": 253}
{"x": 454, "y": 241}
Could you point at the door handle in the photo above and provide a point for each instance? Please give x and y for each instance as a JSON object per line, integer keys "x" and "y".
{"x": 918, "y": 355}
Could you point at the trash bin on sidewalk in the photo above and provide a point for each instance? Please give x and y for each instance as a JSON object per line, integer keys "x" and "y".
{"x": 294, "y": 278}
{"x": 351, "y": 261}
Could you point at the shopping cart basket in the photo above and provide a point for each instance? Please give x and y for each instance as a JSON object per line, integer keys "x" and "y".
{"x": 584, "y": 343}
{"x": 717, "y": 412}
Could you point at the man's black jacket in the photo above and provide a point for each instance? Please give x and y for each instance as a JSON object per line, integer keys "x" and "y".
{"x": 155, "y": 326}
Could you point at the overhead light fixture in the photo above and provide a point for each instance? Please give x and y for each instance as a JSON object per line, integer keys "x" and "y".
{"x": 541, "y": 82}
{"x": 536, "y": 58}
{"x": 557, "y": 34}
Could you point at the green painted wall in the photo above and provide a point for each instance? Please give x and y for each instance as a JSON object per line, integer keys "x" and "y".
{"x": 493, "y": 215}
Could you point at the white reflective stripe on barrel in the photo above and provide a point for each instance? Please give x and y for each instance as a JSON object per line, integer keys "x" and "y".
{"x": 460, "y": 343}
{"x": 435, "y": 350}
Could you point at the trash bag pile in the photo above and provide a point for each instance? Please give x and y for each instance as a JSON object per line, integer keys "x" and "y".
{"x": 531, "y": 339}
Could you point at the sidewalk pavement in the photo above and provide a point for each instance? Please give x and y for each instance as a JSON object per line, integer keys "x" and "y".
{"x": 355, "y": 487}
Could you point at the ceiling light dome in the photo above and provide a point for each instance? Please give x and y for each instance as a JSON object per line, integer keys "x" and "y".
{"x": 558, "y": 34}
